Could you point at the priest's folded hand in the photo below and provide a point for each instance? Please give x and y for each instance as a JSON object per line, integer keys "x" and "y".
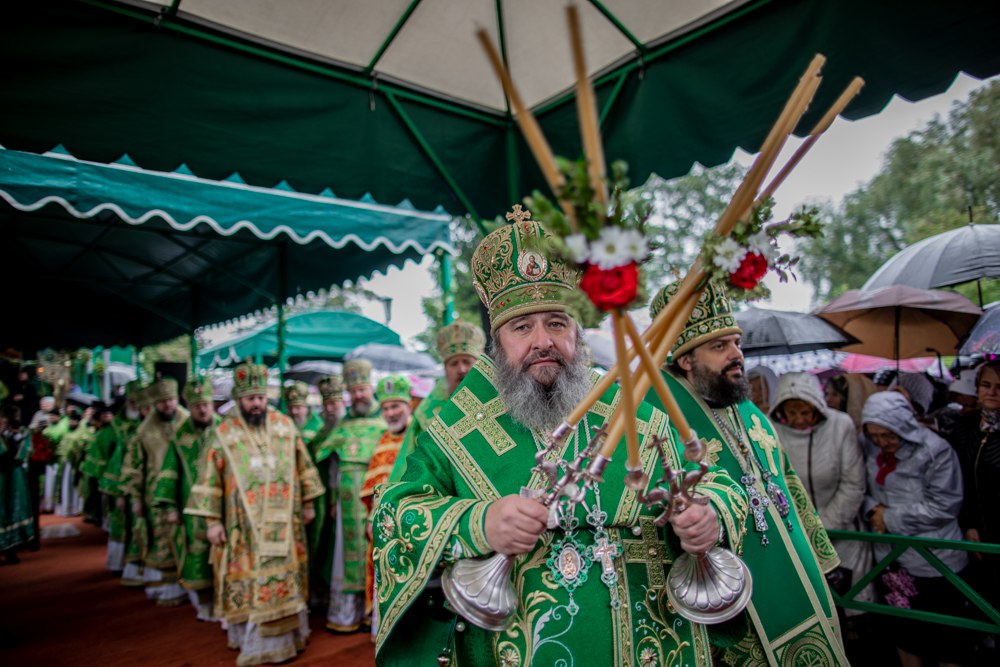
{"x": 697, "y": 527}
{"x": 513, "y": 524}
{"x": 216, "y": 534}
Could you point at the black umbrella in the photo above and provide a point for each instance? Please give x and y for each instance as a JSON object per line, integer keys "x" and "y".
{"x": 782, "y": 332}
{"x": 985, "y": 336}
{"x": 969, "y": 253}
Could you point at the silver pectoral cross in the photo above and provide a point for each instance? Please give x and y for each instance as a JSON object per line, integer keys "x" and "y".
{"x": 604, "y": 551}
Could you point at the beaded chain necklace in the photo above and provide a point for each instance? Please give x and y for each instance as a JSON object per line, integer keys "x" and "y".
{"x": 748, "y": 457}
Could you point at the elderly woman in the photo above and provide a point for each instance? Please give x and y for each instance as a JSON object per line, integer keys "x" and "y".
{"x": 915, "y": 489}
{"x": 977, "y": 440}
{"x": 822, "y": 446}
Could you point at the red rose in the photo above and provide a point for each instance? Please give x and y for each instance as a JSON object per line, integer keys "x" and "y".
{"x": 752, "y": 269}
{"x": 611, "y": 288}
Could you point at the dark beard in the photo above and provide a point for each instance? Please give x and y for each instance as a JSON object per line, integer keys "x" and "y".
{"x": 535, "y": 405}
{"x": 201, "y": 426}
{"x": 718, "y": 389}
{"x": 166, "y": 416}
{"x": 255, "y": 420}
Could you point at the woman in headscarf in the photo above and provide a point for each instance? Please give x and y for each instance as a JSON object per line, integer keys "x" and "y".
{"x": 977, "y": 440}
{"x": 915, "y": 489}
{"x": 822, "y": 446}
{"x": 848, "y": 393}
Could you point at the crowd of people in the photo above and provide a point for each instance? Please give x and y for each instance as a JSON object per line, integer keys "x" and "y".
{"x": 259, "y": 517}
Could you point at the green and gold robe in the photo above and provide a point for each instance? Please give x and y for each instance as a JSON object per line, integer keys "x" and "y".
{"x": 255, "y": 481}
{"x": 121, "y": 521}
{"x": 473, "y": 454}
{"x": 181, "y": 465}
{"x": 352, "y": 444}
{"x": 422, "y": 416}
{"x": 144, "y": 456}
{"x": 792, "y": 618}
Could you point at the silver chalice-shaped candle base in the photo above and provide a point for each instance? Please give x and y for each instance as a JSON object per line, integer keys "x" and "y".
{"x": 480, "y": 591}
{"x": 709, "y": 588}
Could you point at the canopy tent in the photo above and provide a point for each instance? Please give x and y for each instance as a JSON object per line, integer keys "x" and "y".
{"x": 117, "y": 253}
{"x": 396, "y": 98}
{"x": 323, "y": 334}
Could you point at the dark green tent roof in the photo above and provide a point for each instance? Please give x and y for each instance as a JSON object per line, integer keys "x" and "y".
{"x": 191, "y": 86}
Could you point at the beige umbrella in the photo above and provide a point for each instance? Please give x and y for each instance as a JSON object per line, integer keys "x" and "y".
{"x": 901, "y": 322}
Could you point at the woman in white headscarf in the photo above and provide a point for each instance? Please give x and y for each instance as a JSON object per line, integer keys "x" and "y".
{"x": 915, "y": 489}
{"x": 822, "y": 446}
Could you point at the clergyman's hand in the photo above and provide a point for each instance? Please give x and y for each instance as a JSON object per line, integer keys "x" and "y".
{"x": 174, "y": 517}
{"x": 308, "y": 514}
{"x": 513, "y": 524}
{"x": 217, "y": 534}
{"x": 697, "y": 527}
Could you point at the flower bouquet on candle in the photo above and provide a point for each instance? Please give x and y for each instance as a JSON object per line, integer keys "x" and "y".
{"x": 741, "y": 259}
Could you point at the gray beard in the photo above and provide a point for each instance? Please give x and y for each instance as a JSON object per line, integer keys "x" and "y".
{"x": 358, "y": 411}
{"x": 331, "y": 421}
{"x": 718, "y": 389}
{"x": 534, "y": 405}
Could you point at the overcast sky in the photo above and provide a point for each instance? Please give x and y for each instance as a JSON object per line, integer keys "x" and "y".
{"x": 848, "y": 154}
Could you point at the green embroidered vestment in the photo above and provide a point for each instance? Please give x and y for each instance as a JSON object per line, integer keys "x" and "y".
{"x": 473, "y": 454}
{"x": 791, "y": 612}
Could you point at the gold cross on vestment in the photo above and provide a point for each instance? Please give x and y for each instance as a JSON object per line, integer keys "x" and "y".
{"x": 649, "y": 549}
{"x": 767, "y": 442}
{"x": 518, "y": 214}
{"x": 482, "y": 417}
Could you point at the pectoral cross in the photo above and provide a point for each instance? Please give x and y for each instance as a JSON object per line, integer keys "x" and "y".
{"x": 605, "y": 552}
{"x": 766, "y": 441}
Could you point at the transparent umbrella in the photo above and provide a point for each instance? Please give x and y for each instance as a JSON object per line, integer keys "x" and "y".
{"x": 391, "y": 358}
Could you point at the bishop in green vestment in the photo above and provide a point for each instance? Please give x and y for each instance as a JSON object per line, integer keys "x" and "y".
{"x": 121, "y": 527}
{"x": 589, "y": 578}
{"x": 459, "y": 344}
{"x": 144, "y": 455}
{"x": 791, "y": 619}
{"x": 94, "y": 466}
{"x": 181, "y": 465}
{"x": 319, "y": 532}
{"x": 351, "y": 446}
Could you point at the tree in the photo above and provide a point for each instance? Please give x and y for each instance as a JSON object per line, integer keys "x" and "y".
{"x": 928, "y": 181}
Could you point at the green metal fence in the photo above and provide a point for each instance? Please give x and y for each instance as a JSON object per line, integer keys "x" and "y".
{"x": 922, "y": 546}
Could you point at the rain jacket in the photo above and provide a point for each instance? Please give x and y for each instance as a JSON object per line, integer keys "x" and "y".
{"x": 829, "y": 461}
{"x": 923, "y": 495}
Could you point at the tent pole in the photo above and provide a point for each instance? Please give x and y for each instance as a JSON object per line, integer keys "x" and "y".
{"x": 447, "y": 289}
{"x": 282, "y": 296}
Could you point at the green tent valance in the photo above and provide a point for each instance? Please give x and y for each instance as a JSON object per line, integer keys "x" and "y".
{"x": 117, "y": 253}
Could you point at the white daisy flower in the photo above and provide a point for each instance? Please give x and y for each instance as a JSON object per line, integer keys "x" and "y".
{"x": 610, "y": 250}
{"x": 578, "y": 247}
{"x": 728, "y": 255}
{"x": 635, "y": 245}
{"x": 763, "y": 244}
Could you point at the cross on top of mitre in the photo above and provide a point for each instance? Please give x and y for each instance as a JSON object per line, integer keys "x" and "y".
{"x": 518, "y": 214}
